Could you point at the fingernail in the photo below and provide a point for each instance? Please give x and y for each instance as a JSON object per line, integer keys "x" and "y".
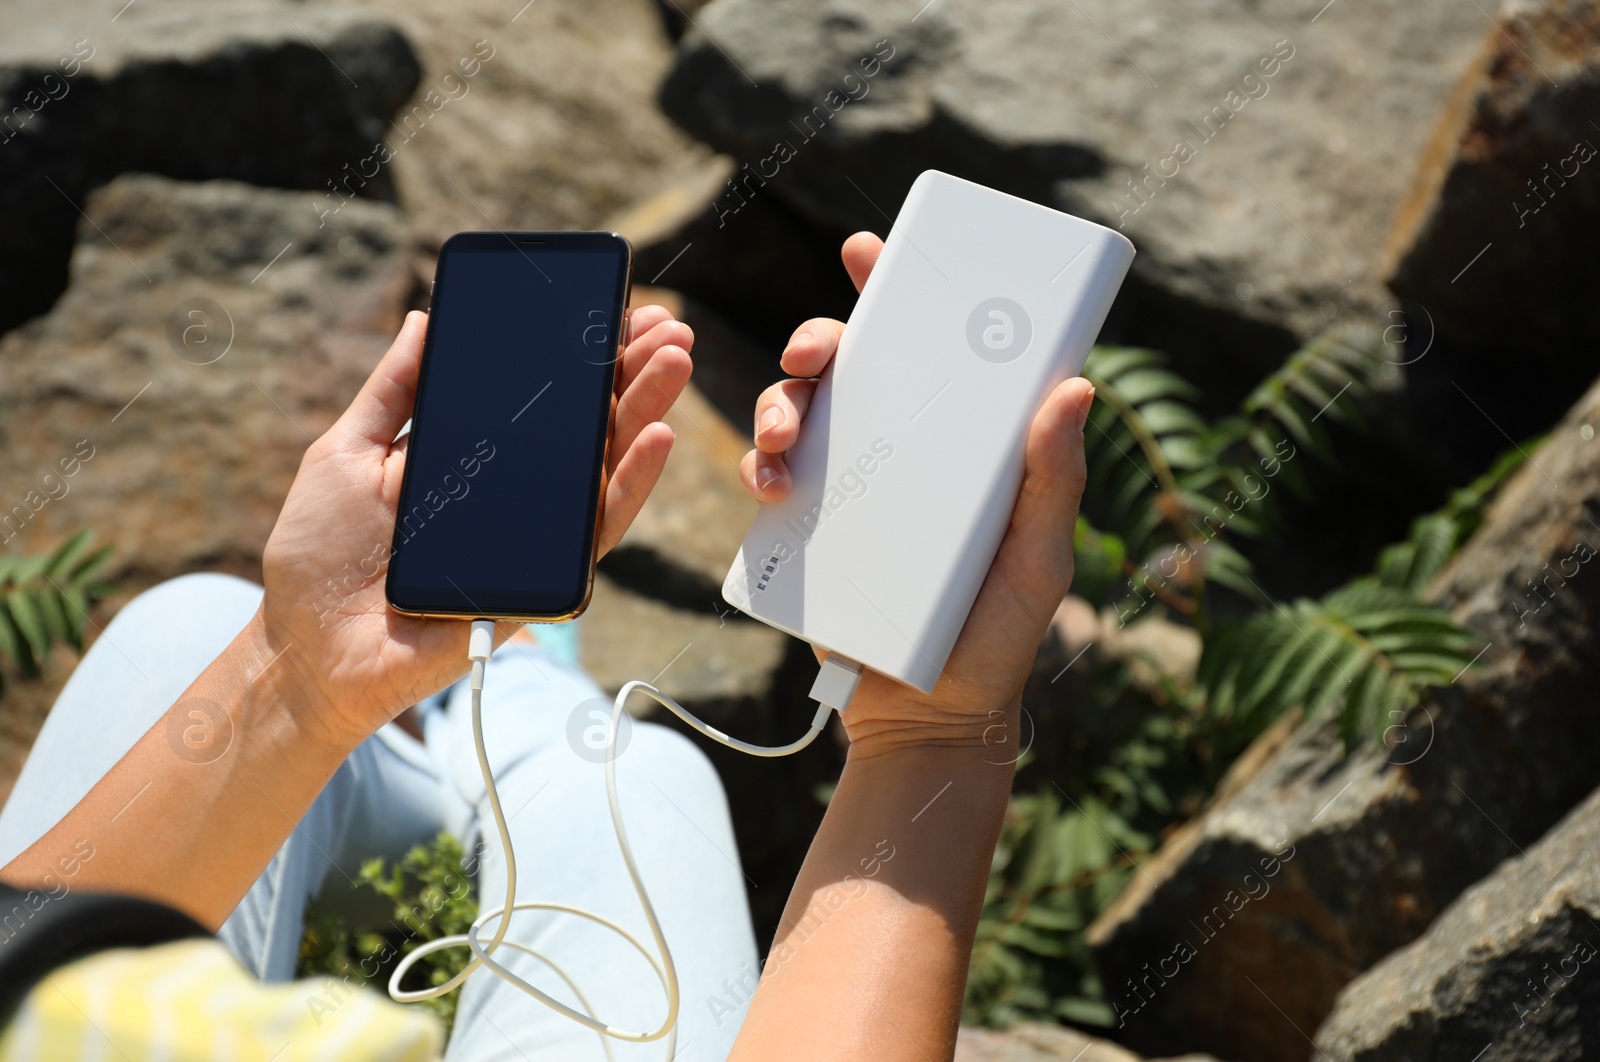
{"x": 769, "y": 420}
{"x": 799, "y": 338}
{"x": 766, "y": 476}
{"x": 1083, "y": 409}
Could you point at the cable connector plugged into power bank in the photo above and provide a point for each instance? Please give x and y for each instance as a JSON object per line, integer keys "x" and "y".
{"x": 480, "y": 646}
{"x": 836, "y": 682}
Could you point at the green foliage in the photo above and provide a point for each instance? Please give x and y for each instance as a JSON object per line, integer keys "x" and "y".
{"x": 45, "y": 599}
{"x": 1435, "y": 537}
{"x": 1372, "y": 646}
{"x": 431, "y": 896}
{"x": 1372, "y": 649}
{"x": 1163, "y": 481}
{"x": 1055, "y": 868}
{"x": 1332, "y": 377}
{"x": 1154, "y": 469}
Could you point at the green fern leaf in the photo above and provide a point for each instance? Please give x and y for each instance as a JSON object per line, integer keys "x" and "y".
{"x": 1435, "y": 537}
{"x": 1370, "y": 649}
{"x": 30, "y": 621}
{"x": 1329, "y": 378}
{"x": 45, "y": 598}
{"x": 60, "y": 565}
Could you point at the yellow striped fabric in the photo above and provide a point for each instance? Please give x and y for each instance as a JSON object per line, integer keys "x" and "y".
{"x": 190, "y": 1001}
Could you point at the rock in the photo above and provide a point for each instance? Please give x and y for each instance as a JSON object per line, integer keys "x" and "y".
{"x": 1155, "y": 648}
{"x": 678, "y": 15}
{"x": 766, "y": 269}
{"x": 658, "y": 612}
{"x": 699, "y": 512}
{"x": 1093, "y": 689}
{"x": 1042, "y": 1043}
{"x": 557, "y": 129}
{"x": 1268, "y": 230}
{"x": 535, "y": 118}
{"x": 182, "y": 88}
{"x": 183, "y": 466}
{"x": 1492, "y": 239}
{"x": 662, "y": 215}
{"x": 1503, "y": 975}
{"x": 691, "y": 657}
{"x": 211, "y": 330}
{"x": 1369, "y": 848}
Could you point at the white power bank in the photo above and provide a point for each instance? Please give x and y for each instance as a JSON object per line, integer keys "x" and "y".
{"x": 911, "y": 454}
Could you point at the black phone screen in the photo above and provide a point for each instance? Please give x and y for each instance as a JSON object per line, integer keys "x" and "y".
{"x": 508, "y": 436}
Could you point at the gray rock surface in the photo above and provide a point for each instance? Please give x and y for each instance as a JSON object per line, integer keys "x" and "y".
{"x": 1506, "y": 974}
{"x": 1271, "y": 222}
{"x": 1493, "y": 239}
{"x": 559, "y": 129}
{"x": 197, "y": 419}
{"x": 1382, "y": 841}
{"x": 182, "y": 88}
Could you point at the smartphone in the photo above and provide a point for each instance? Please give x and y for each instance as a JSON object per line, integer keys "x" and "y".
{"x": 501, "y": 496}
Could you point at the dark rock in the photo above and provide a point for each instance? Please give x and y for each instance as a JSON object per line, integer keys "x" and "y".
{"x": 205, "y": 91}
{"x": 765, "y": 269}
{"x": 1494, "y": 238}
{"x": 1506, "y": 974}
{"x": 1381, "y": 840}
{"x": 1271, "y": 231}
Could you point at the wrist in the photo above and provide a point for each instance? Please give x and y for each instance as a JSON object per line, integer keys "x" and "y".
{"x": 888, "y": 720}
{"x": 280, "y": 694}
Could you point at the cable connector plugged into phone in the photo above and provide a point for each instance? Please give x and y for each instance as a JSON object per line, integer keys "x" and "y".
{"x": 480, "y": 646}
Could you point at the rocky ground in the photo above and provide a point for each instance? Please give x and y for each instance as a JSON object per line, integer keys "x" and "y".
{"x": 1422, "y": 167}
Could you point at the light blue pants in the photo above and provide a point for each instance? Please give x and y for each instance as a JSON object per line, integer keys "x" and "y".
{"x": 394, "y": 792}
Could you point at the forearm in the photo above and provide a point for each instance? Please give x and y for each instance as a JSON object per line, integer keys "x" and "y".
{"x": 870, "y": 960}
{"x": 193, "y": 823}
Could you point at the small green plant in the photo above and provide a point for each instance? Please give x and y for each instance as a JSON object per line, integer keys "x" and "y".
{"x": 431, "y": 895}
{"x": 1436, "y": 536}
{"x": 1372, "y": 649}
{"x": 1168, "y": 491}
{"x": 45, "y": 599}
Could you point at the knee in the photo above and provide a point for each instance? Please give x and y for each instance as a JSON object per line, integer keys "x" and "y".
{"x": 210, "y": 597}
{"x": 668, "y": 754}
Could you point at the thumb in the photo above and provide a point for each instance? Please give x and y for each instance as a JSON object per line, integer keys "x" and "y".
{"x": 1039, "y": 540}
{"x": 385, "y": 401}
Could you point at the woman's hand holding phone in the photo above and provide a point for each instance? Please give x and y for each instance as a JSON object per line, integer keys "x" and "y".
{"x": 324, "y": 616}
{"x": 982, "y": 684}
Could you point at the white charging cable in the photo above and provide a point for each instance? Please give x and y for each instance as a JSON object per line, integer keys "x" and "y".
{"x": 835, "y": 685}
